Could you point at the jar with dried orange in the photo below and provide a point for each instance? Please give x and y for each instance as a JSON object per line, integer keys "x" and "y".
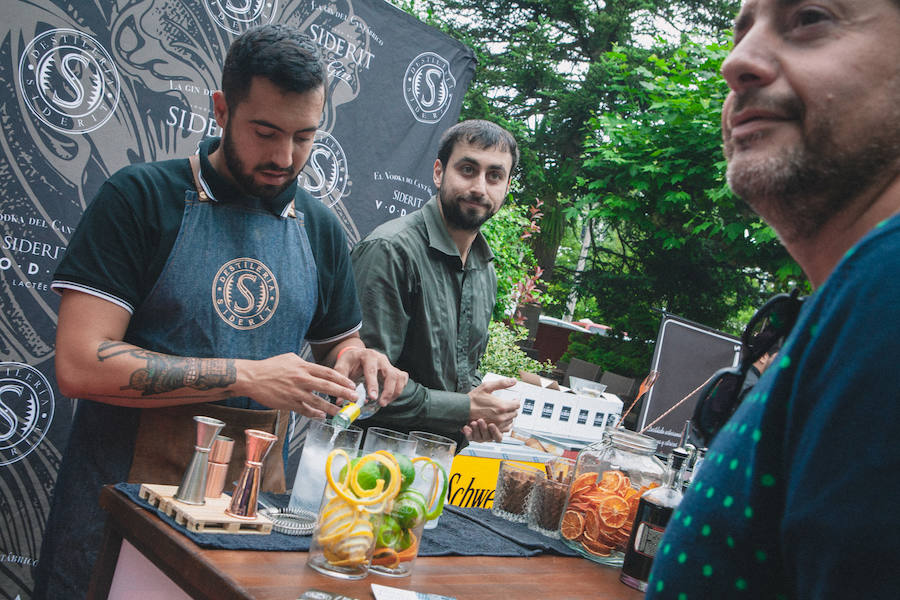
{"x": 610, "y": 477}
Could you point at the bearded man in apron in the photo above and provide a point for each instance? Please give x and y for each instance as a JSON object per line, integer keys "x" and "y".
{"x": 189, "y": 288}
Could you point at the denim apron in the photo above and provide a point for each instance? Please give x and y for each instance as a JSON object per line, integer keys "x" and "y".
{"x": 240, "y": 282}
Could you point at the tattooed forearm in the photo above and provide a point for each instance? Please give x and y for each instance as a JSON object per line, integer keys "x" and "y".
{"x": 109, "y": 350}
{"x": 165, "y": 373}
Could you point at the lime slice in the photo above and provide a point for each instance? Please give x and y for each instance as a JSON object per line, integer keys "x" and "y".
{"x": 343, "y": 474}
{"x": 404, "y": 541}
{"x": 409, "y": 509}
{"x": 368, "y": 475}
{"x": 407, "y": 471}
{"x": 388, "y": 532}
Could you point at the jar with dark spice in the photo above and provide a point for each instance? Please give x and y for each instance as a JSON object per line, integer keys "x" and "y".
{"x": 514, "y": 484}
{"x": 549, "y": 495}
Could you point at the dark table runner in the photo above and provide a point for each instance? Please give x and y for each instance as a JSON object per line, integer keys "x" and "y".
{"x": 460, "y": 531}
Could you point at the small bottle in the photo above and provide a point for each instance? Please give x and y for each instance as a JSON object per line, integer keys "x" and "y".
{"x": 654, "y": 511}
{"x": 361, "y": 409}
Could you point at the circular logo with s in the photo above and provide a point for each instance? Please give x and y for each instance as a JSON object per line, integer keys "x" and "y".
{"x": 427, "y": 87}
{"x": 237, "y": 16}
{"x": 325, "y": 174}
{"x": 26, "y": 410}
{"x": 245, "y": 293}
{"x": 69, "y": 81}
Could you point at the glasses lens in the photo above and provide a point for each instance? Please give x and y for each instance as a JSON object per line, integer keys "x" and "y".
{"x": 717, "y": 403}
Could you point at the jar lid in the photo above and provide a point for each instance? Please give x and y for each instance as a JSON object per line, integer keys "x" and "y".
{"x": 632, "y": 439}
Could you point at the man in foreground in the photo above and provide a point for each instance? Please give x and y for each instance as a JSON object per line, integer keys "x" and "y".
{"x": 797, "y": 497}
{"x": 197, "y": 281}
{"x": 427, "y": 287}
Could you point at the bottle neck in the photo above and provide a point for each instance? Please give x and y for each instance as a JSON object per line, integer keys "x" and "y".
{"x": 675, "y": 473}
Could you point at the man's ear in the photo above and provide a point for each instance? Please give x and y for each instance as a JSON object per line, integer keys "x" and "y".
{"x": 220, "y": 108}
{"x": 438, "y": 174}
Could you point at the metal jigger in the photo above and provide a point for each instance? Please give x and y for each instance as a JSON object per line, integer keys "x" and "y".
{"x": 193, "y": 485}
{"x": 246, "y": 491}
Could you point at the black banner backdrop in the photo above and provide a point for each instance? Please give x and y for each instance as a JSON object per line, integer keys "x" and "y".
{"x": 89, "y": 86}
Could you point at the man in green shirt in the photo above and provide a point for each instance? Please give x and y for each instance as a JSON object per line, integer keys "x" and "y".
{"x": 427, "y": 287}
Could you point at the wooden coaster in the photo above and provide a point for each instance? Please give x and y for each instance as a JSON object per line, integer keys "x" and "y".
{"x": 206, "y": 518}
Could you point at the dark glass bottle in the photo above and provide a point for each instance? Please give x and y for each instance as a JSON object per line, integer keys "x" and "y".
{"x": 654, "y": 511}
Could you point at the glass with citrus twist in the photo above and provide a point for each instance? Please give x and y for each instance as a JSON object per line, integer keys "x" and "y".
{"x": 398, "y": 530}
{"x": 363, "y": 489}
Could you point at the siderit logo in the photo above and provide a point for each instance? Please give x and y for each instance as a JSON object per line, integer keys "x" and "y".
{"x": 245, "y": 293}
{"x": 427, "y": 87}
{"x": 325, "y": 174}
{"x": 26, "y": 410}
{"x": 237, "y": 16}
{"x": 69, "y": 81}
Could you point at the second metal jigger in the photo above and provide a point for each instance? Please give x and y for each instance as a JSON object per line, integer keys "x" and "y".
{"x": 246, "y": 491}
{"x": 193, "y": 485}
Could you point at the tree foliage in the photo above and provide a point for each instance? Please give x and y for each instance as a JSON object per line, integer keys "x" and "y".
{"x": 673, "y": 237}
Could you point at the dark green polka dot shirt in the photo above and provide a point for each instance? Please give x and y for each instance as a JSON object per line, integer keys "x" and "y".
{"x": 798, "y": 495}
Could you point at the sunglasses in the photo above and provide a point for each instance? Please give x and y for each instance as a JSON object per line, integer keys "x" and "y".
{"x": 721, "y": 395}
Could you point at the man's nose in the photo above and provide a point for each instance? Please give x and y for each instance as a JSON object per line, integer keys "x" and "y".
{"x": 281, "y": 153}
{"x": 479, "y": 186}
{"x": 754, "y": 61}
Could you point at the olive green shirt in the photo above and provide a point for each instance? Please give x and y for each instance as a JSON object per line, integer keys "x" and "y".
{"x": 429, "y": 314}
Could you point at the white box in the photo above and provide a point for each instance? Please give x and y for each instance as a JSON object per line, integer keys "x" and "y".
{"x": 557, "y": 413}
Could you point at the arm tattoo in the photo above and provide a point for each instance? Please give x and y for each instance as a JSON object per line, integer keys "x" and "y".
{"x": 165, "y": 373}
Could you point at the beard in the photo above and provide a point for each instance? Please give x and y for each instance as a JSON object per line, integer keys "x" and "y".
{"x": 464, "y": 219}
{"x": 800, "y": 187}
{"x": 244, "y": 177}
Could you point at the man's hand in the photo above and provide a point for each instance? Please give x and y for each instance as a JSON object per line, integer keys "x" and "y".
{"x": 490, "y": 415}
{"x": 375, "y": 368}
{"x": 479, "y": 431}
{"x": 287, "y": 382}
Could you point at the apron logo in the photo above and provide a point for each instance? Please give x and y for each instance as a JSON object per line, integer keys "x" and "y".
{"x": 245, "y": 293}
{"x": 26, "y": 410}
{"x": 237, "y": 16}
{"x": 69, "y": 81}
{"x": 325, "y": 173}
{"x": 427, "y": 87}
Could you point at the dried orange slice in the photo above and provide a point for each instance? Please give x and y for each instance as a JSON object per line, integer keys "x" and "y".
{"x": 611, "y": 481}
{"x": 630, "y": 493}
{"x": 592, "y": 525}
{"x": 583, "y": 482}
{"x": 597, "y": 548}
{"x": 572, "y": 525}
{"x": 614, "y": 512}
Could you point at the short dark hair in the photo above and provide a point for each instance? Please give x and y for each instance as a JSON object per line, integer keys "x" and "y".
{"x": 282, "y": 54}
{"x": 479, "y": 133}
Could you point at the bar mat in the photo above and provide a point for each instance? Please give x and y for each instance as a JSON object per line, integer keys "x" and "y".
{"x": 517, "y": 533}
{"x": 460, "y": 532}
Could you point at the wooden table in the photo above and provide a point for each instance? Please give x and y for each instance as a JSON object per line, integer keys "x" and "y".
{"x": 230, "y": 574}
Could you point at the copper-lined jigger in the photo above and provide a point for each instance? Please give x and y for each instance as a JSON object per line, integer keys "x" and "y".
{"x": 193, "y": 484}
{"x": 219, "y": 458}
{"x": 246, "y": 491}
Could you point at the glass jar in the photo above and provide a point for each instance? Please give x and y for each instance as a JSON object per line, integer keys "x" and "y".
{"x": 610, "y": 476}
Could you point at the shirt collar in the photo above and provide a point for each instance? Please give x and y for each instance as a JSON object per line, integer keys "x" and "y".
{"x": 439, "y": 238}
{"x": 220, "y": 189}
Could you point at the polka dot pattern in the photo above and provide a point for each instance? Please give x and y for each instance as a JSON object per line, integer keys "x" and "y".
{"x": 725, "y": 540}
